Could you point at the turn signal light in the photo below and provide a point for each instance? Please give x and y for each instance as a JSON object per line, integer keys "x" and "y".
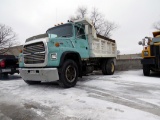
{"x": 20, "y": 51}
{"x": 57, "y": 44}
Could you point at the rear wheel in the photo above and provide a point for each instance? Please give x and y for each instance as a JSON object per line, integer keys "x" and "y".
{"x": 29, "y": 82}
{"x": 146, "y": 70}
{"x": 108, "y": 67}
{"x": 4, "y": 75}
{"x": 68, "y": 74}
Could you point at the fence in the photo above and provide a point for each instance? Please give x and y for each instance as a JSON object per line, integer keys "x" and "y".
{"x": 129, "y": 64}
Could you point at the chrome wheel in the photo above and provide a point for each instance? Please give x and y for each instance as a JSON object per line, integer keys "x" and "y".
{"x": 70, "y": 73}
{"x": 112, "y": 67}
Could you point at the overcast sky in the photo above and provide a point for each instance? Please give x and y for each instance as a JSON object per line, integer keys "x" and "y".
{"x": 134, "y": 17}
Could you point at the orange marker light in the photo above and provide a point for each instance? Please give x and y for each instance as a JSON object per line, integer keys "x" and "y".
{"x": 57, "y": 44}
{"x": 20, "y": 51}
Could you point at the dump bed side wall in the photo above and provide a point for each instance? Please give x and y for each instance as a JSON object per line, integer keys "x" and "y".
{"x": 102, "y": 48}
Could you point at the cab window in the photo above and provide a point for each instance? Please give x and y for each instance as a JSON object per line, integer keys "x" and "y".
{"x": 80, "y": 33}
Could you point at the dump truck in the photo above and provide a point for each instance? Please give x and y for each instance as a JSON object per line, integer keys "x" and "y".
{"x": 66, "y": 52}
{"x": 151, "y": 53}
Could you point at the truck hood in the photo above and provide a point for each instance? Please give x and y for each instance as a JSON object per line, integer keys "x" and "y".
{"x": 41, "y": 36}
{"x": 37, "y": 37}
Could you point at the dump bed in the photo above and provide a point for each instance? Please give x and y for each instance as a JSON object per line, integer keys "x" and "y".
{"x": 100, "y": 46}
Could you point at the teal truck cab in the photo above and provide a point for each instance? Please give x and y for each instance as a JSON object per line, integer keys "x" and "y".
{"x": 66, "y": 52}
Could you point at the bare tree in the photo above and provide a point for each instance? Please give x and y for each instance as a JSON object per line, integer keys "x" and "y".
{"x": 80, "y": 13}
{"x": 156, "y": 25}
{"x": 97, "y": 20}
{"x": 7, "y": 38}
{"x": 108, "y": 27}
{"x": 102, "y": 26}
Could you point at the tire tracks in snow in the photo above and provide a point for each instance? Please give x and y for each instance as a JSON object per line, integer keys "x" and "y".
{"x": 120, "y": 98}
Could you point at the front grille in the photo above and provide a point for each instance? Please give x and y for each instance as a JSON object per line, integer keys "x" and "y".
{"x": 34, "y": 53}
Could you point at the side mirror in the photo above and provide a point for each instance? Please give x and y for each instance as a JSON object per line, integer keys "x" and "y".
{"x": 86, "y": 29}
{"x": 140, "y": 42}
{"x": 143, "y": 42}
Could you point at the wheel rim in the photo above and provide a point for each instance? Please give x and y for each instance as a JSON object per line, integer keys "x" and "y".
{"x": 70, "y": 73}
{"x": 112, "y": 67}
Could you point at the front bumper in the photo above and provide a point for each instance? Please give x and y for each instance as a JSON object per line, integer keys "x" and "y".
{"x": 148, "y": 61}
{"x": 39, "y": 74}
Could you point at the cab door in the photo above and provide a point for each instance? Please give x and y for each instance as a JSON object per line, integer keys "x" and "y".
{"x": 81, "y": 42}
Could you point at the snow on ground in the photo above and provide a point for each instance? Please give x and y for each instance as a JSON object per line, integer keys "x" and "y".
{"x": 153, "y": 101}
{"x": 126, "y": 95}
{"x": 137, "y": 76}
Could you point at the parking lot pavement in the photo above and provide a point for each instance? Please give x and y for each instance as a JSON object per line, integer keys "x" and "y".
{"x": 126, "y": 95}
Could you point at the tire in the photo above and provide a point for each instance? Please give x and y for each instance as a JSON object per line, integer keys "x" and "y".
{"x": 11, "y": 73}
{"x": 104, "y": 71}
{"x": 108, "y": 67}
{"x": 1, "y": 76}
{"x": 146, "y": 70}
{"x": 4, "y": 75}
{"x": 68, "y": 74}
{"x": 32, "y": 82}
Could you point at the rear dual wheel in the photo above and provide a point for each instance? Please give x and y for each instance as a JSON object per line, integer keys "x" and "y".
{"x": 108, "y": 67}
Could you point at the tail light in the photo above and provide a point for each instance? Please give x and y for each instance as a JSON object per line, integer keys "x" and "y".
{"x": 2, "y": 64}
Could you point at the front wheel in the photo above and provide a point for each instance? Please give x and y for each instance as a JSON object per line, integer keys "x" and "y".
{"x": 68, "y": 74}
{"x": 146, "y": 70}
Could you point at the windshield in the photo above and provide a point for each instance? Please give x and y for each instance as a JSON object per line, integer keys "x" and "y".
{"x": 156, "y": 39}
{"x": 61, "y": 31}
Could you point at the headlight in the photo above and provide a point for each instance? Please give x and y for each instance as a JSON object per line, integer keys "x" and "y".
{"x": 54, "y": 56}
{"x": 146, "y": 53}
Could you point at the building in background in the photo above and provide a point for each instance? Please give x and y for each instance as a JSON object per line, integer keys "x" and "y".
{"x": 14, "y": 50}
{"x": 129, "y": 56}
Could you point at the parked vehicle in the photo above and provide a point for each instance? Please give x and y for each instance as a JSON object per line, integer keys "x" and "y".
{"x": 66, "y": 52}
{"x": 151, "y": 53}
{"x": 8, "y": 65}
